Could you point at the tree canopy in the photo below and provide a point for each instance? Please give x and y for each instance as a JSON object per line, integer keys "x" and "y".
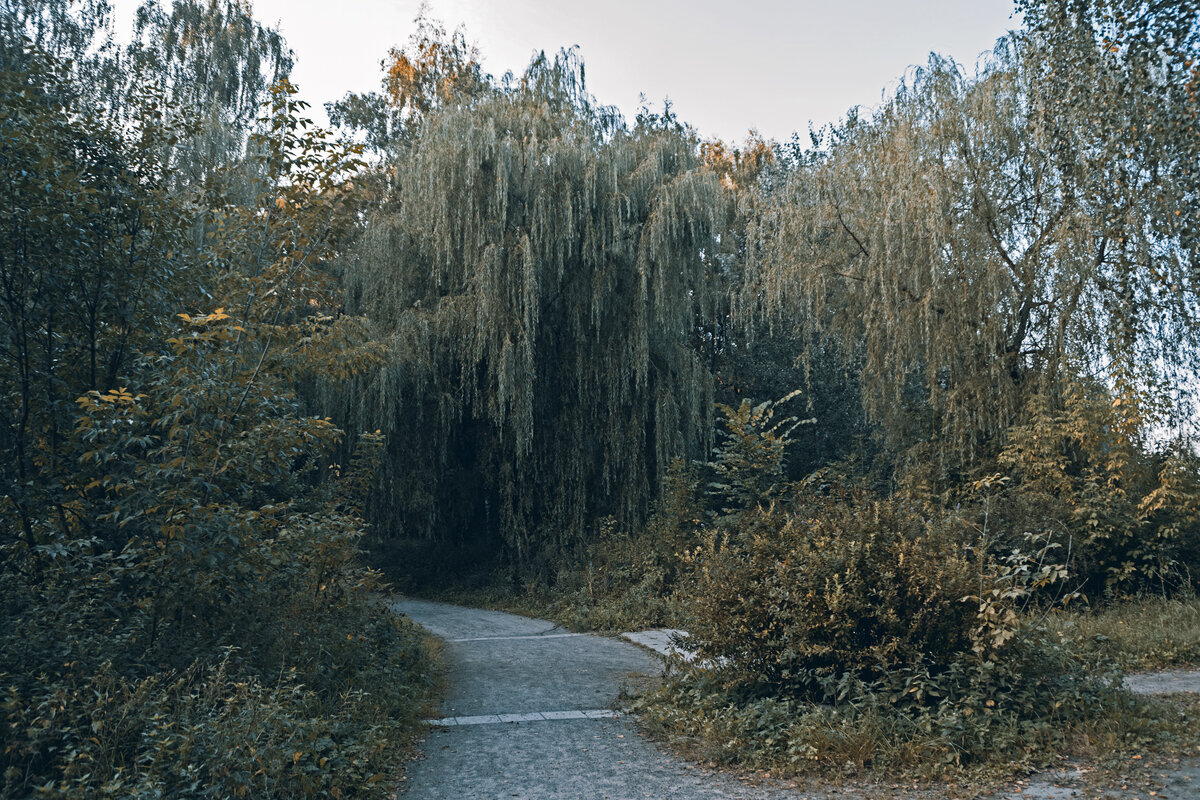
{"x": 976, "y": 250}
{"x": 539, "y": 272}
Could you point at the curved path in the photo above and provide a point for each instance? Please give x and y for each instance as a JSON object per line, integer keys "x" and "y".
{"x": 529, "y": 714}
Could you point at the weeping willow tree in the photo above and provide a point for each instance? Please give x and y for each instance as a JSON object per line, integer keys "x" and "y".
{"x": 540, "y": 273}
{"x": 76, "y": 33}
{"x": 1131, "y": 70}
{"x": 971, "y": 246}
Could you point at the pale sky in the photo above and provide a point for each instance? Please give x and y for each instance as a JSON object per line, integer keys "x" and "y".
{"x": 727, "y": 66}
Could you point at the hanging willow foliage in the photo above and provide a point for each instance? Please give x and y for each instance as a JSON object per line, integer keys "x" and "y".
{"x": 215, "y": 63}
{"x": 540, "y": 272}
{"x": 973, "y": 260}
{"x": 1131, "y": 70}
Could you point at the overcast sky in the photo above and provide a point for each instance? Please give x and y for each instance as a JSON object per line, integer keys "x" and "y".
{"x": 727, "y": 66}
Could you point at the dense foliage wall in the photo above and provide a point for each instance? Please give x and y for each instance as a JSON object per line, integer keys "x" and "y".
{"x": 563, "y": 294}
{"x": 539, "y": 272}
{"x": 183, "y": 612}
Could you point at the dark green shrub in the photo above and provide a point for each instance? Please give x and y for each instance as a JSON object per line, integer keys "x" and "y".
{"x": 316, "y": 702}
{"x": 202, "y": 733}
{"x": 791, "y": 597}
{"x": 748, "y": 462}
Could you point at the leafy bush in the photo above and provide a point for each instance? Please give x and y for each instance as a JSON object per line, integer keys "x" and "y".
{"x": 873, "y": 633}
{"x": 1081, "y": 469}
{"x": 838, "y": 627}
{"x": 748, "y": 464}
{"x": 831, "y": 586}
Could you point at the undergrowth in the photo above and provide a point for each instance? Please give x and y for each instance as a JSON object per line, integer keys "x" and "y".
{"x": 1137, "y": 633}
{"x": 621, "y": 581}
{"x": 322, "y": 702}
{"x": 699, "y": 715}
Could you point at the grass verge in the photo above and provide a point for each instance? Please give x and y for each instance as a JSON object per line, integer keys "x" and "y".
{"x": 872, "y": 743}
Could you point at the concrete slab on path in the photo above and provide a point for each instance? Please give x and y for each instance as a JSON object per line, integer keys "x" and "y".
{"x": 664, "y": 641}
{"x": 1168, "y": 682}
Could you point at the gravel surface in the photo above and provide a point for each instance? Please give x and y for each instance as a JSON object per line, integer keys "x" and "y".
{"x": 1170, "y": 682}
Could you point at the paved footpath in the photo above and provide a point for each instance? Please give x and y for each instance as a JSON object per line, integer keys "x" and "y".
{"x": 530, "y": 713}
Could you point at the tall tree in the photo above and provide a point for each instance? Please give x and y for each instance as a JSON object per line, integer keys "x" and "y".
{"x": 89, "y": 253}
{"x": 76, "y": 33}
{"x": 975, "y": 259}
{"x": 214, "y": 62}
{"x": 539, "y": 272}
{"x": 1119, "y": 87}
{"x": 436, "y": 68}
{"x": 1127, "y": 72}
